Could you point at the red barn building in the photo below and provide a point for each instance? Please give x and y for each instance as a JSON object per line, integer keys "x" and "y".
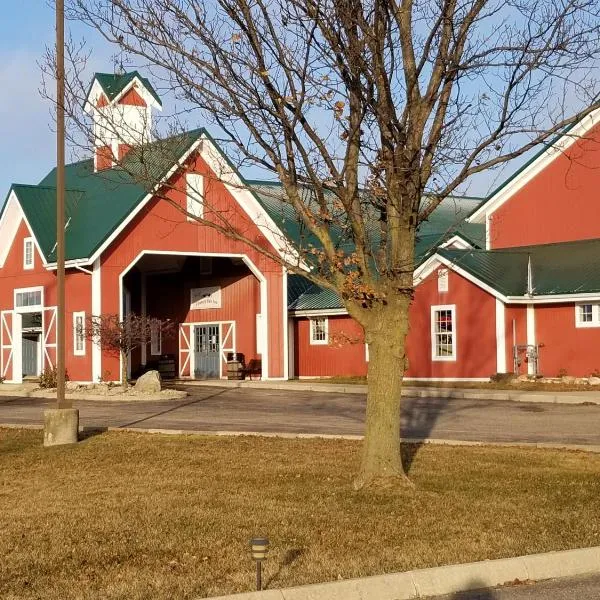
{"x": 508, "y": 283}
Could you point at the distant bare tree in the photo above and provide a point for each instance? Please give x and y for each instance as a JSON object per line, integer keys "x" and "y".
{"x": 369, "y": 113}
{"x": 123, "y": 336}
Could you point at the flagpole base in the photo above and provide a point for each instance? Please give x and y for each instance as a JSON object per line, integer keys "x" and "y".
{"x": 61, "y": 426}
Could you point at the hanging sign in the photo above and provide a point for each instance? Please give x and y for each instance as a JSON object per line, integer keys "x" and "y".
{"x": 205, "y": 297}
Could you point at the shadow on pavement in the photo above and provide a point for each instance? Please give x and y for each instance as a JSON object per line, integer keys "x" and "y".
{"x": 177, "y": 406}
{"x": 475, "y": 594}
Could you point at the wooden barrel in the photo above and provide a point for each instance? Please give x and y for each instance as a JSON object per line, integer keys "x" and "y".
{"x": 234, "y": 370}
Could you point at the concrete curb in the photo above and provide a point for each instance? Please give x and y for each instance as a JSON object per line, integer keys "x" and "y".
{"x": 438, "y": 581}
{"x": 593, "y": 449}
{"x": 592, "y": 397}
{"x": 39, "y": 395}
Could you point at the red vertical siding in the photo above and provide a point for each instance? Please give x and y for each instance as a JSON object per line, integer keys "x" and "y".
{"x": 169, "y": 297}
{"x": 564, "y": 346}
{"x": 161, "y": 227}
{"x": 344, "y": 355}
{"x": 78, "y": 296}
{"x": 475, "y": 330}
{"x": 536, "y": 213}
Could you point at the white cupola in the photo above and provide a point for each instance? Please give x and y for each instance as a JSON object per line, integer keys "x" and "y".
{"x": 121, "y": 109}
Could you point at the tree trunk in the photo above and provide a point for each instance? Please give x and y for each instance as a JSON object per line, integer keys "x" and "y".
{"x": 381, "y": 459}
{"x": 124, "y": 381}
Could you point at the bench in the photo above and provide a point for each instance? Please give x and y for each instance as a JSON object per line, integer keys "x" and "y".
{"x": 254, "y": 367}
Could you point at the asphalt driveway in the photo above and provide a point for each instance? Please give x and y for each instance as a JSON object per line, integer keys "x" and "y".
{"x": 283, "y": 411}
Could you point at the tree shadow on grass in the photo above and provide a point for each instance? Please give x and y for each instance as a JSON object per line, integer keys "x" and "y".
{"x": 291, "y": 556}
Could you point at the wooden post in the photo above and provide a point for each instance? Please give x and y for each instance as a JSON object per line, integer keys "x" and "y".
{"x": 61, "y": 399}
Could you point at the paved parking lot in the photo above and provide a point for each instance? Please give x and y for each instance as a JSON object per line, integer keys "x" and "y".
{"x": 227, "y": 409}
{"x": 576, "y": 588}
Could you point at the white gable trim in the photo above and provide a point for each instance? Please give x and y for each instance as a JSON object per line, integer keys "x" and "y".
{"x": 97, "y": 90}
{"x": 436, "y": 261}
{"x": 536, "y": 167}
{"x": 11, "y": 218}
{"x": 234, "y": 185}
{"x": 247, "y": 200}
{"x": 457, "y": 241}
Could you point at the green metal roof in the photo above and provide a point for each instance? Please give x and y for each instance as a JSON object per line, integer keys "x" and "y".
{"x": 561, "y": 268}
{"x": 97, "y": 203}
{"x": 113, "y": 84}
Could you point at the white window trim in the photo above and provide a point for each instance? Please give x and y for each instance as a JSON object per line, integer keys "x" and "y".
{"x": 155, "y": 340}
{"x": 452, "y": 309}
{"x": 26, "y": 309}
{"x": 595, "y": 322}
{"x": 28, "y": 266}
{"x": 77, "y": 315}
{"x": 195, "y": 200}
{"x": 314, "y": 342}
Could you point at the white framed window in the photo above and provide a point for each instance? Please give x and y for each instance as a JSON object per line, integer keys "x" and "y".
{"x": 28, "y": 253}
{"x": 194, "y": 189}
{"x": 79, "y": 333}
{"x": 587, "y": 314}
{"x": 443, "y": 280}
{"x": 443, "y": 332}
{"x": 319, "y": 330}
{"x": 155, "y": 339}
{"x": 29, "y": 299}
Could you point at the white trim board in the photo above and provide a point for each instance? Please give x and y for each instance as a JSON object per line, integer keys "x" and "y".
{"x": 12, "y": 215}
{"x": 234, "y": 185}
{"x": 264, "y": 297}
{"x": 481, "y": 215}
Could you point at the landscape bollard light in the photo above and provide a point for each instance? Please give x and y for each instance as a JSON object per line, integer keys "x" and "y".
{"x": 260, "y": 547}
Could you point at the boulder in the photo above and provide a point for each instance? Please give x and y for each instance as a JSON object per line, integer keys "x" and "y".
{"x": 568, "y": 379}
{"x": 522, "y": 378}
{"x": 148, "y": 383}
{"x": 594, "y": 380}
{"x": 71, "y": 386}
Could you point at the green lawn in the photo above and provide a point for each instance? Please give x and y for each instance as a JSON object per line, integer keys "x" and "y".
{"x": 132, "y": 516}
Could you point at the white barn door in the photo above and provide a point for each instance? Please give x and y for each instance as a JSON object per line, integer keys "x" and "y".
{"x": 6, "y": 344}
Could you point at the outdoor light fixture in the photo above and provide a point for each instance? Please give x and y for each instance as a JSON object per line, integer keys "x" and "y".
{"x": 260, "y": 547}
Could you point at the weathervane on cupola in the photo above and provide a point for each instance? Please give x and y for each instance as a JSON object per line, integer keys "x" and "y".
{"x": 121, "y": 106}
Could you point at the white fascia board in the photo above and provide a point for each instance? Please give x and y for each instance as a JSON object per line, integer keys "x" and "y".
{"x": 458, "y": 242}
{"x": 96, "y": 91}
{"x": 235, "y": 186}
{"x": 435, "y": 261}
{"x": 248, "y": 202}
{"x": 144, "y": 93}
{"x": 553, "y": 298}
{"x": 323, "y": 312}
{"x": 556, "y": 149}
{"x": 11, "y": 218}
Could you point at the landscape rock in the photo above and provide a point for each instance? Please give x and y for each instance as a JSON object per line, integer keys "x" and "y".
{"x": 568, "y": 379}
{"x": 149, "y": 383}
{"x": 581, "y": 381}
{"x": 71, "y": 386}
{"x": 522, "y": 378}
{"x": 594, "y": 380}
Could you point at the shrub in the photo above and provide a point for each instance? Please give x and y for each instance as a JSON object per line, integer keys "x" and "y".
{"x": 49, "y": 376}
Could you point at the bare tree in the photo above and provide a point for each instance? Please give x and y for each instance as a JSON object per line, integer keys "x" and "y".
{"x": 124, "y": 336}
{"x": 369, "y": 113}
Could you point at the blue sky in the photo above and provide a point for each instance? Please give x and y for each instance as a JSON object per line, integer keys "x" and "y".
{"x": 27, "y": 151}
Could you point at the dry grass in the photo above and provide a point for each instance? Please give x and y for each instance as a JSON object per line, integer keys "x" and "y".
{"x": 521, "y": 386}
{"x": 132, "y": 516}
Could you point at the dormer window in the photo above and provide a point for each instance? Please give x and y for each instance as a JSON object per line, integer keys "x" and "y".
{"x": 28, "y": 253}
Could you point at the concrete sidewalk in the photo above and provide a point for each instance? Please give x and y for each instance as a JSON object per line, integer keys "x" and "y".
{"x": 591, "y": 397}
{"x": 437, "y": 581}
